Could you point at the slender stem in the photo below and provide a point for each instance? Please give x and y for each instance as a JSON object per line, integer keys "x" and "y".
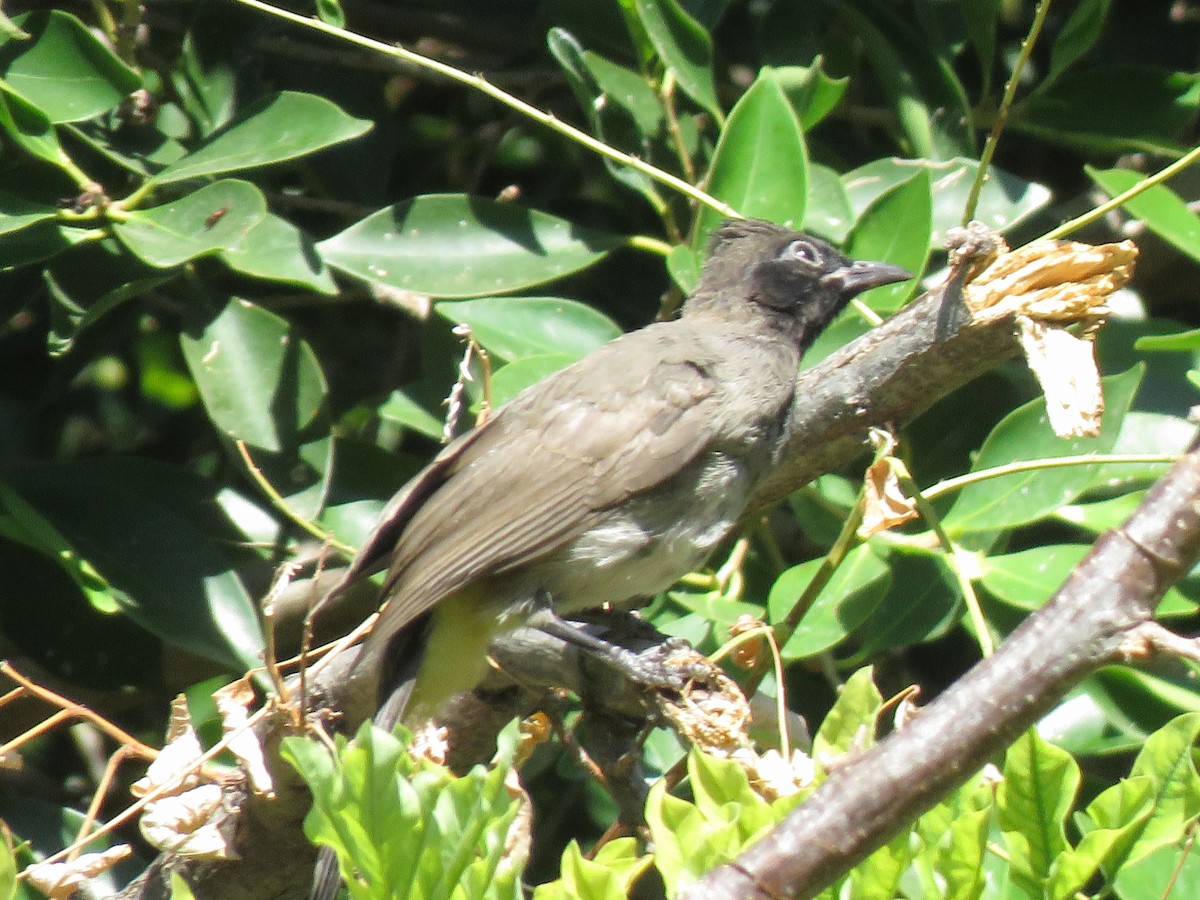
{"x": 485, "y": 87}
{"x": 1031, "y": 465}
{"x": 1010, "y": 94}
{"x": 1124, "y": 197}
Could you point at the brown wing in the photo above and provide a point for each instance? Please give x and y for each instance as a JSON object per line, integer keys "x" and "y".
{"x": 538, "y": 473}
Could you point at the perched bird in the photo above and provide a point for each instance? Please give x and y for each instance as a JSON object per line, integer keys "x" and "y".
{"x": 605, "y": 482}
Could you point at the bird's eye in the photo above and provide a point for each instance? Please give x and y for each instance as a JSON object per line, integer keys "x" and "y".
{"x": 801, "y": 250}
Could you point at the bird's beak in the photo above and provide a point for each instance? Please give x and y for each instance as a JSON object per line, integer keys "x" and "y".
{"x": 857, "y": 277}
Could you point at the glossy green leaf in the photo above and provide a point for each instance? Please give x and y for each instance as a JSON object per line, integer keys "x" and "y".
{"x": 851, "y": 595}
{"x": 812, "y": 93}
{"x": 1169, "y": 872}
{"x": 515, "y": 377}
{"x": 276, "y": 250}
{"x": 16, "y": 213}
{"x": 1005, "y": 201}
{"x": 827, "y": 210}
{"x": 1167, "y": 758}
{"x": 261, "y": 383}
{"x": 283, "y": 126}
{"x": 1024, "y": 434}
{"x": 214, "y": 218}
{"x": 1101, "y": 515}
{"x": 63, "y": 69}
{"x": 896, "y": 228}
{"x": 36, "y": 243}
{"x": 919, "y": 606}
{"x": 1123, "y": 808}
{"x": 157, "y": 536}
{"x": 514, "y": 327}
{"x": 684, "y": 47}
{"x": 453, "y": 245}
{"x": 760, "y": 166}
{"x": 406, "y": 411}
{"x": 1113, "y": 109}
{"x": 29, "y": 128}
{"x": 1164, "y": 212}
{"x": 1028, "y": 578}
{"x": 684, "y": 266}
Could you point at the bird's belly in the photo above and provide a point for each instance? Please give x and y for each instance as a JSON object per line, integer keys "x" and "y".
{"x": 649, "y": 543}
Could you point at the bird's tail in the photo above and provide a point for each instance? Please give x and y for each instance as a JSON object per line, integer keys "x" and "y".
{"x": 404, "y": 657}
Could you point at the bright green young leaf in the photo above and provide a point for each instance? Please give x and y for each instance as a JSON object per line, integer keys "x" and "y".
{"x": 1164, "y": 212}
{"x": 610, "y": 875}
{"x": 261, "y": 383}
{"x": 684, "y": 46}
{"x": 156, "y": 534}
{"x": 1005, "y": 201}
{"x": 1171, "y": 872}
{"x": 879, "y": 874}
{"x": 1033, "y": 802}
{"x": 514, "y": 327}
{"x": 760, "y": 166}
{"x": 283, "y": 126}
{"x": 64, "y": 69}
{"x": 1182, "y": 340}
{"x": 453, "y": 245}
{"x": 897, "y": 229}
{"x": 851, "y": 595}
{"x": 209, "y": 220}
{"x": 1113, "y": 109}
{"x": 1167, "y": 758}
{"x": 1110, "y": 824}
{"x": 850, "y": 726}
{"x": 1011, "y": 500}
{"x": 277, "y": 250}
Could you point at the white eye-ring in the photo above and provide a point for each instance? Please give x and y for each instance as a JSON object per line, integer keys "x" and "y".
{"x": 801, "y": 250}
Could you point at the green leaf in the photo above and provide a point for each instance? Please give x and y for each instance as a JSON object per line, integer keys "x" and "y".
{"x": 277, "y": 250}
{"x": 209, "y": 220}
{"x": 280, "y": 127}
{"x": 1028, "y": 578}
{"x": 980, "y": 18}
{"x": 1005, "y": 201}
{"x": 1033, "y": 802}
{"x": 761, "y": 161}
{"x": 454, "y": 245}
{"x": 515, "y": 377}
{"x": 1124, "y": 807}
{"x": 261, "y": 383}
{"x": 64, "y": 70}
{"x": 827, "y": 209}
{"x": 514, "y": 327}
{"x": 1167, "y": 759}
{"x": 896, "y": 228}
{"x": 1024, "y": 434}
{"x": 849, "y": 727}
{"x": 35, "y": 244}
{"x": 851, "y": 595}
{"x": 17, "y": 213}
{"x": 1168, "y": 872}
{"x": 1077, "y": 37}
{"x": 919, "y": 606}
{"x": 404, "y": 410}
{"x": 30, "y": 128}
{"x": 1164, "y": 212}
{"x": 1112, "y": 109}
{"x": 812, "y": 93}
{"x": 157, "y": 536}
{"x": 684, "y": 47}
{"x": 684, "y": 267}
{"x": 21, "y": 522}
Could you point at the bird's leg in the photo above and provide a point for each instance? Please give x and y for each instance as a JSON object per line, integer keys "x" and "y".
{"x": 651, "y": 668}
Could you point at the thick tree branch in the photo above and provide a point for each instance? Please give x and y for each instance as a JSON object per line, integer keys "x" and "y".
{"x": 1099, "y": 616}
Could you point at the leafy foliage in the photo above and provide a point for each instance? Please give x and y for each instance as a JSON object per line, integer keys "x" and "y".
{"x": 221, "y": 230}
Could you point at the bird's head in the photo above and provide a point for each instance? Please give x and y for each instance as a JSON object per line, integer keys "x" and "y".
{"x": 795, "y": 279}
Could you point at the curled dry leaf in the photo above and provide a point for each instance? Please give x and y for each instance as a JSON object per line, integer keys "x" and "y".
{"x": 1047, "y": 286}
{"x": 885, "y": 505}
{"x": 62, "y": 880}
{"x": 233, "y": 703}
{"x": 187, "y": 823}
{"x": 178, "y": 758}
